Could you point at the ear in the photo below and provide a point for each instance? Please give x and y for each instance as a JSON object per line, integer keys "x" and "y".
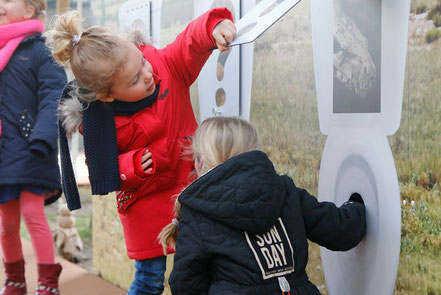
{"x": 29, "y": 12}
{"x": 199, "y": 163}
{"x": 105, "y": 97}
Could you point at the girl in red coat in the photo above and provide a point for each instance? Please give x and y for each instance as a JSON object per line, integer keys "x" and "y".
{"x": 142, "y": 93}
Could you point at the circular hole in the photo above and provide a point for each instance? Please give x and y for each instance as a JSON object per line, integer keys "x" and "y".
{"x": 220, "y": 97}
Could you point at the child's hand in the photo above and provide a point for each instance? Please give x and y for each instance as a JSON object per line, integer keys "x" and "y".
{"x": 146, "y": 161}
{"x": 224, "y": 33}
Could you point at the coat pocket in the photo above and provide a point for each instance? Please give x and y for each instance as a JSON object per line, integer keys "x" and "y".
{"x": 26, "y": 124}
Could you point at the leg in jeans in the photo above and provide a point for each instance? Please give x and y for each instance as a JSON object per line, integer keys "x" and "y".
{"x": 149, "y": 277}
{"x": 32, "y": 209}
{"x": 10, "y": 231}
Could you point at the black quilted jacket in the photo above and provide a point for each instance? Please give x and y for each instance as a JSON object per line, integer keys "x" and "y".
{"x": 243, "y": 227}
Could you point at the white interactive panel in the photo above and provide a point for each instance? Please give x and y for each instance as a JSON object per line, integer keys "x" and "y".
{"x": 224, "y": 84}
{"x": 376, "y": 79}
{"x": 144, "y": 15}
{"x": 359, "y": 49}
{"x": 260, "y": 18}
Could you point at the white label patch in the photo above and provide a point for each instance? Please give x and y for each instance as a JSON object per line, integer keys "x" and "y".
{"x": 273, "y": 251}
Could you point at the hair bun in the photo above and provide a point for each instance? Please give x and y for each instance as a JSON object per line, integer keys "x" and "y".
{"x": 60, "y": 38}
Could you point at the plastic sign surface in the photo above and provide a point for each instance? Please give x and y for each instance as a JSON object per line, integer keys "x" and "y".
{"x": 359, "y": 61}
{"x": 360, "y": 160}
{"x": 359, "y": 49}
{"x": 260, "y": 18}
{"x": 224, "y": 84}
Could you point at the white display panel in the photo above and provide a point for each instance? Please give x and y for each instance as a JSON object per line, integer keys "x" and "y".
{"x": 359, "y": 50}
{"x": 260, "y": 18}
{"x": 394, "y": 30}
{"x": 360, "y": 161}
{"x": 224, "y": 84}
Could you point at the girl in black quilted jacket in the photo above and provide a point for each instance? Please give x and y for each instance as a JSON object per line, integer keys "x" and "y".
{"x": 243, "y": 228}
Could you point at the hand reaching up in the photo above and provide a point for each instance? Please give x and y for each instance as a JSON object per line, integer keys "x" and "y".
{"x": 224, "y": 33}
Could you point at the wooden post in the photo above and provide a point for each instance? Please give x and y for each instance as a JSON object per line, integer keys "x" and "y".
{"x": 62, "y": 6}
{"x": 80, "y": 7}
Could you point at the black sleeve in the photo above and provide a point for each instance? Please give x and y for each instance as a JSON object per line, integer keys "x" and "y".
{"x": 190, "y": 269}
{"x": 338, "y": 229}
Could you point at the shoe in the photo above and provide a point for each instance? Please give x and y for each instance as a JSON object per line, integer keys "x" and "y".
{"x": 48, "y": 275}
{"x": 15, "y": 283}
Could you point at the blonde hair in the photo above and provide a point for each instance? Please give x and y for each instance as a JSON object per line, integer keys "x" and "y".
{"x": 39, "y": 8}
{"x": 94, "y": 55}
{"x": 215, "y": 141}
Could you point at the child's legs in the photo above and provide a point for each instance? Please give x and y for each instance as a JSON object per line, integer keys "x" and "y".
{"x": 10, "y": 231}
{"x": 32, "y": 209}
{"x": 149, "y": 277}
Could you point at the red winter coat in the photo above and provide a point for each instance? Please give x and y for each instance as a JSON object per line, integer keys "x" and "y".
{"x": 145, "y": 203}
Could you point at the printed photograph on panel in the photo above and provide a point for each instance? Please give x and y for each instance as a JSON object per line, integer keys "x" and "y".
{"x": 357, "y": 56}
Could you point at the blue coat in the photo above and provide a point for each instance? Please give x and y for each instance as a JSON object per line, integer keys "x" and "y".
{"x": 30, "y": 86}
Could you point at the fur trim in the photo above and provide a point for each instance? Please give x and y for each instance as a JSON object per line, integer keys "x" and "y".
{"x": 138, "y": 35}
{"x": 70, "y": 112}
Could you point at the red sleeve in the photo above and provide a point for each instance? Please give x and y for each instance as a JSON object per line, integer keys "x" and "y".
{"x": 131, "y": 173}
{"x": 188, "y": 53}
{"x": 130, "y": 170}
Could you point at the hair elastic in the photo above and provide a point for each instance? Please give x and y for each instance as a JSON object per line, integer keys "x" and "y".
{"x": 76, "y": 39}
{"x": 43, "y": 12}
{"x": 175, "y": 221}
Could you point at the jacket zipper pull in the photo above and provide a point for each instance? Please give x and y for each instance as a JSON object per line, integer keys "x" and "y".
{"x": 284, "y": 285}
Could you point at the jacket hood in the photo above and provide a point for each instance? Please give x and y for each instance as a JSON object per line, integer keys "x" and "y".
{"x": 245, "y": 192}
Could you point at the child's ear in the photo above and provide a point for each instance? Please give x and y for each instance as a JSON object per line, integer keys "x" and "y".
{"x": 29, "y": 12}
{"x": 105, "y": 97}
{"x": 199, "y": 163}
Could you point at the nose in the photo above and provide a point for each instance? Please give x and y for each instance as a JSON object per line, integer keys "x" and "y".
{"x": 148, "y": 75}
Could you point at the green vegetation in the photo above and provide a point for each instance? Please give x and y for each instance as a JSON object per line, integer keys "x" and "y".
{"x": 421, "y": 8}
{"x": 415, "y": 4}
{"x": 437, "y": 20}
{"x": 436, "y": 10}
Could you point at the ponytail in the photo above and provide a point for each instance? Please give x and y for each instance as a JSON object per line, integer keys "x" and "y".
{"x": 167, "y": 237}
{"x": 95, "y": 55}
